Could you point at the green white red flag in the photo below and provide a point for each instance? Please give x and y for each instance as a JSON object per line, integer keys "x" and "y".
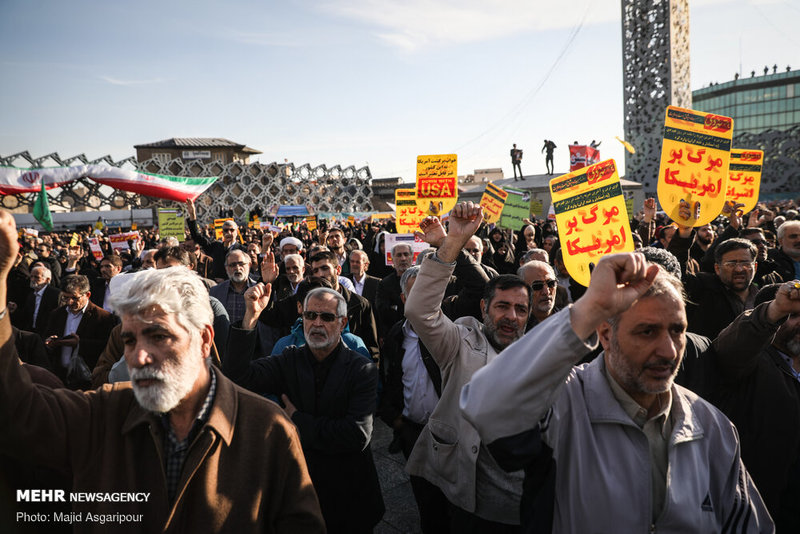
{"x": 15, "y": 180}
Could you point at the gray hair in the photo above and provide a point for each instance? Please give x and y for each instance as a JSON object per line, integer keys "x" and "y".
{"x": 297, "y": 257}
{"x": 235, "y": 250}
{"x": 177, "y": 290}
{"x": 535, "y": 254}
{"x": 410, "y": 273}
{"x": 47, "y": 273}
{"x": 359, "y": 252}
{"x": 319, "y": 292}
{"x": 782, "y": 228}
{"x": 535, "y": 264}
{"x": 394, "y": 248}
{"x": 664, "y": 283}
{"x": 424, "y": 254}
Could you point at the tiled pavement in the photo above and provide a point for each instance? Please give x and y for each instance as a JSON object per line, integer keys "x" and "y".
{"x": 401, "y": 511}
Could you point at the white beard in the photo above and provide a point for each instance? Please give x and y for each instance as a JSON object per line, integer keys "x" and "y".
{"x": 174, "y": 381}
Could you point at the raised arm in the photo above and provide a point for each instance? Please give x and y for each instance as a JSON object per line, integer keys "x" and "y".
{"x": 424, "y": 305}
{"x": 533, "y": 370}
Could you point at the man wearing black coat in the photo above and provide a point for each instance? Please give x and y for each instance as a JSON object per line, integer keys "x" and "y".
{"x": 216, "y": 250}
{"x": 329, "y": 392}
{"x": 41, "y": 299}
{"x": 787, "y": 255}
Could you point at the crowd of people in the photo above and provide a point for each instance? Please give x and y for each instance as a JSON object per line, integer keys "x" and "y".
{"x": 663, "y": 397}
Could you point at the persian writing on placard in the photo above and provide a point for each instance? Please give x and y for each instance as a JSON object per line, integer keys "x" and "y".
{"x": 695, "y": 154}
{"x": 744, "y": 177}
{"x": 591, "y": 216}
{"x": 437, "y": 183}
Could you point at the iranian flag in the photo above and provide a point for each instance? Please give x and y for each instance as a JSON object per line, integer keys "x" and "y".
{"x": 14, "y": 180}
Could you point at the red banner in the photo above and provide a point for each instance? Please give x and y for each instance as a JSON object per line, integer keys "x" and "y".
{"x": 582, "y": 156}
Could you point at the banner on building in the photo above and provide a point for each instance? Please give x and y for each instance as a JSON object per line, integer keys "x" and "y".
{"x": 437, "y": 183}
{"x": 591, "y": 217}
{"x": 744, "y": 177}
{"x": 695, "y": 155}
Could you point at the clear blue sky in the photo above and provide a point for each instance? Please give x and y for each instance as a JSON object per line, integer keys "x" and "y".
{"x": 348, "y": 81}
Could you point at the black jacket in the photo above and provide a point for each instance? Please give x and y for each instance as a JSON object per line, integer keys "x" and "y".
{"x": 335, "y": 429}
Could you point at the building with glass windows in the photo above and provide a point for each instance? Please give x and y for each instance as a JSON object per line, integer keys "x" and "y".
{"x": 766, "y": 116}
{"x": 756, "y": 104}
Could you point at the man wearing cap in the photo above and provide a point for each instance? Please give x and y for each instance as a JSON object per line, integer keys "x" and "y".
{"x": 290, "y": 245}
{"x": 217, "y": 250}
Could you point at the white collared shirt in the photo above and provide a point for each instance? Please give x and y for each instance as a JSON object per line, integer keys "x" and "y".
{"x": 70, "y": 327}
{"x": 106, "y": 305}
{"x": 38, "y": 298}
{"x": 359, "y": 284}
{"x": 419, "y": 395}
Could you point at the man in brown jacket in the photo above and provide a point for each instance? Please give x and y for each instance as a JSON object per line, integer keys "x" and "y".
{"x": 180, "y": 449}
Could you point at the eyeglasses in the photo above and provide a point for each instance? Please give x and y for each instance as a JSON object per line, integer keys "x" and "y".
{"x": 327, "y": 317}
{"x": 744, "y": 264}
{"x": 539, "y": 284}
{"x": 473, "y": 250}
{"x": 237, "y": 264}
{"x": 225, "y": 230}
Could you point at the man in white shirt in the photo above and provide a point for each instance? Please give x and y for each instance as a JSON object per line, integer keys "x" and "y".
{"x": 365, "y": 285}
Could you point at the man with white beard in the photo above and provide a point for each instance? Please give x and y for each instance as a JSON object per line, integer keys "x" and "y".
{"x": 175, "y": 450}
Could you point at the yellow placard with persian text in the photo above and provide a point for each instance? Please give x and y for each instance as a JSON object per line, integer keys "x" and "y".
{"x": 695, "y": 154}
{"x": 408, "y": 215}
{"x": 591, "y": 217}
{"x": 311, "y": 223}
{"x": 744, "y": 177}
{"x": 437, "y": 183}
{"x": 492, "y": 201}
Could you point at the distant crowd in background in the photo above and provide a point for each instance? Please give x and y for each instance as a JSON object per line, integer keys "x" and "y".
{"x": 338, "y": 336}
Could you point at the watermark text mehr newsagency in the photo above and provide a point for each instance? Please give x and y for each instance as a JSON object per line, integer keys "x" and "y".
{"x": 57, "y": 495}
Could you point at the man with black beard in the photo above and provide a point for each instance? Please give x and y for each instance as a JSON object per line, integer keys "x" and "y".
{"x": 449, "y": 453}
{"x": 216, "y": 449}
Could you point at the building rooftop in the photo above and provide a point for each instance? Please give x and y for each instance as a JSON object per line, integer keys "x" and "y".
{"x": 755, "y": 82}
{"x": 199, "y": 142}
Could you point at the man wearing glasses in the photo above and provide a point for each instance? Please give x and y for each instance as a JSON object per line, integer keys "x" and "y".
{"x": 715, "y": 300}
{"x": 329, "y": 392}
{"x": 542, "y": 279}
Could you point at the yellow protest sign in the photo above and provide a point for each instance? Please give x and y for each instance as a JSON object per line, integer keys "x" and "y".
{"x": 492, "y": 201}
{"x": 437, "y": 183}
{"x": 591, "y": 216}
{"x": 694, "y": 164}
{"x": 408, "y": 215}
{"x": 75, "y": 241}
{"x": 311, "y": 223}
{"x": 744, "y": 177}
{"x": 351, "y": 220}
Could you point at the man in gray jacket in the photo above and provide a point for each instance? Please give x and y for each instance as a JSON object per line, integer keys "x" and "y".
{"x": 631, "y": 451}
{"x": 449, "y": 453}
